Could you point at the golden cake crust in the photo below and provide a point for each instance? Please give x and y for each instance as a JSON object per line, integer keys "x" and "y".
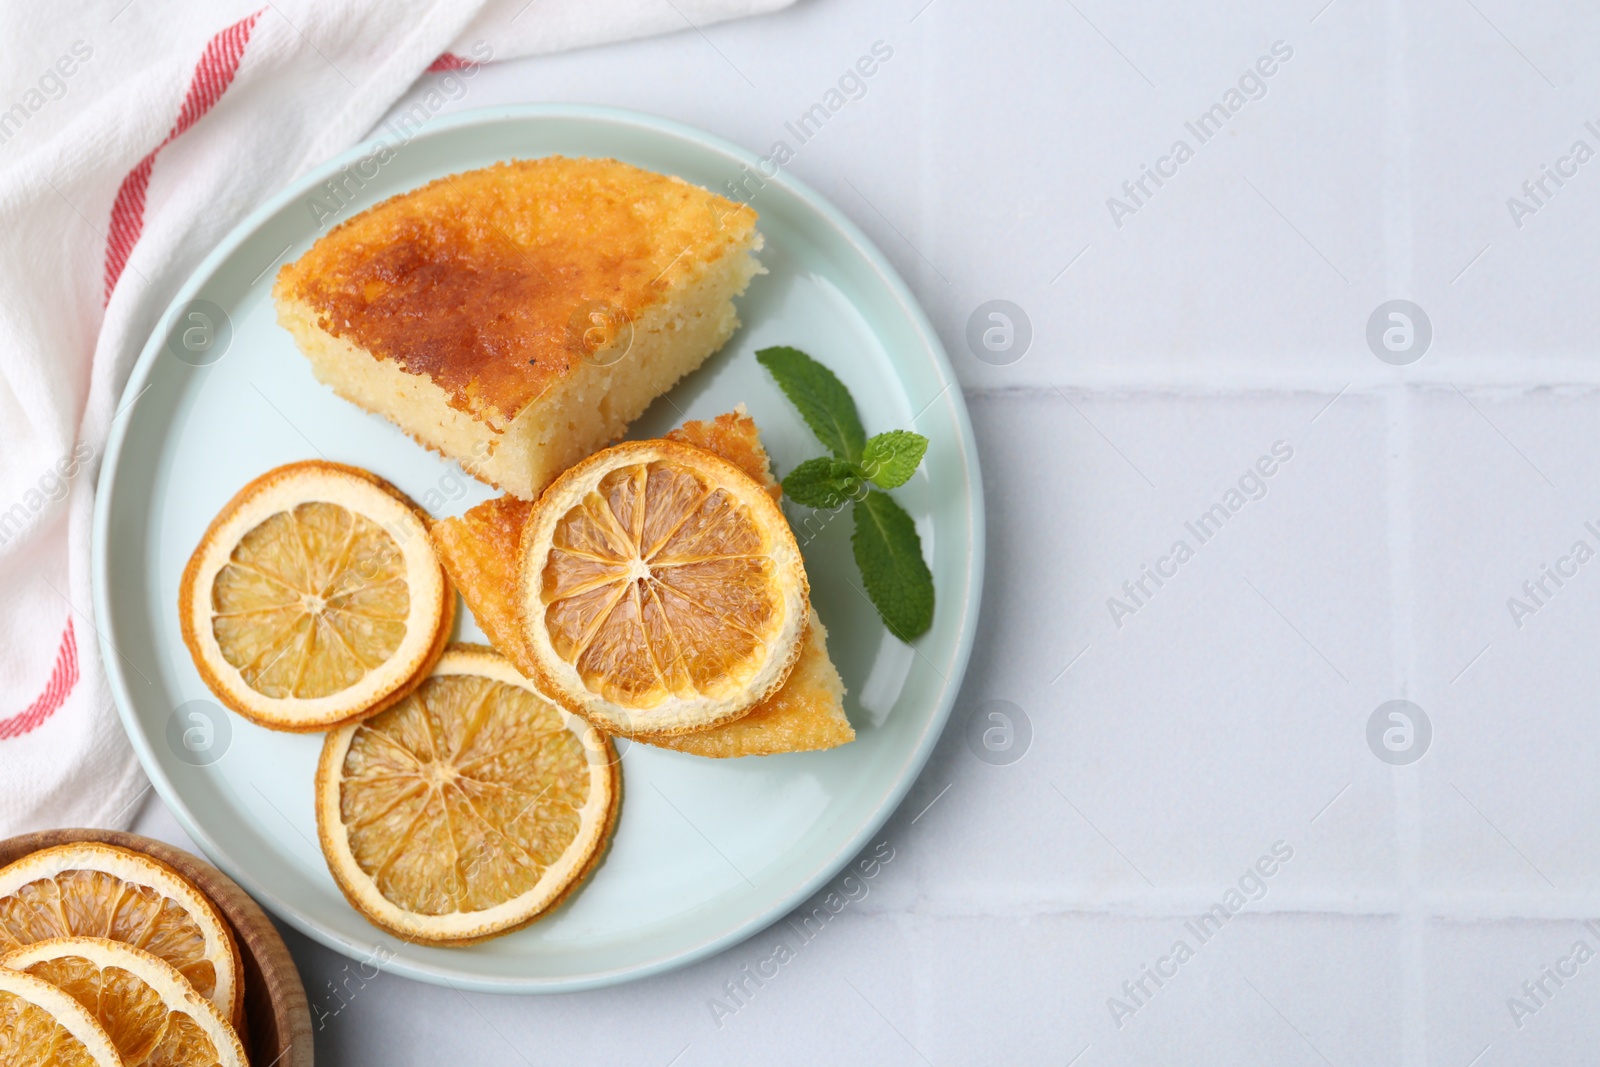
{"x": 479, "y": 553}
{"x": 733, "y": 436}
{"x": 485, "y": 281}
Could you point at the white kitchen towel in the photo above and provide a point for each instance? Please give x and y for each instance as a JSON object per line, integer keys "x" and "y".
{"x": 133, "y": 135}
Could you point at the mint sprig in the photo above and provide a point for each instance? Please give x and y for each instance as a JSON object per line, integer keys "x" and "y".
{"x": 824, "y": 402}
{"x": 823, "y": 482}
{"x": 887, "y": 548}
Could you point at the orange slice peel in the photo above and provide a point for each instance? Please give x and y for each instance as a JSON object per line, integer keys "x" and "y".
{"x": 661, "y": 590}
{"x": 42, "y": 1026}
{"x": 88, "y": 889}
{"x": 470, "y": 808}
{"x": 315, "y": 598}
{"x": 150, "y": 1011}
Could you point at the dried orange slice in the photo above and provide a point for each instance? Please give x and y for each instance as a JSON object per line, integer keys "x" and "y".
{"x": 150, "y": 1011}
{"x": 469, "y": 808}
{"x": 41, "y": 1026}
{"x": 94, "y": 890}
{"x": 661, "y": 590}
{"x": 315, "y": 598}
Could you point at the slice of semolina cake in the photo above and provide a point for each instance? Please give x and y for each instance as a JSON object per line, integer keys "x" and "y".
{"x": 517, "y": 318}
{"x": 479, "y": 552}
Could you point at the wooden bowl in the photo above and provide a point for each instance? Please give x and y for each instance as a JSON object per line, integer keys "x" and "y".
{"x": 277, "y": 1016}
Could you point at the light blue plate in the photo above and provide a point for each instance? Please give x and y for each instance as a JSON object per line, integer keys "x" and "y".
{"x": 707, "y": 852}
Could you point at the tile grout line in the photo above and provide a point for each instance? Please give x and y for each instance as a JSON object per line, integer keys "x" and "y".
{"x": 1164, "y": 384}
{"x": 1407, "y": 790}
{"x": 1189, "y": 901}
{"x": 1399, "y": 279}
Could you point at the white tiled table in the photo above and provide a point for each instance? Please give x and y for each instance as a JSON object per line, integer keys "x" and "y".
{"x": 1229, "y": 712}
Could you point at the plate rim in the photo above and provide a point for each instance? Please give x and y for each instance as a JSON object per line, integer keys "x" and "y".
{"x": 828, "y": 868}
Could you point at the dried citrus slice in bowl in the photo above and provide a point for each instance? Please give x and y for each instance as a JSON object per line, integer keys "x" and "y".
{"x": 661, "y": 590}
{"x": 149, "y": 1010}
{"x": 42, "y": 1026}
{"x": 468, "y": 809}
{"x": 93, "y": 890}
{"x": 315, "y": 598}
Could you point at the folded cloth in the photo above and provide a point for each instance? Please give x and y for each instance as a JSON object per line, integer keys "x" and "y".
{"x": 133, "y": 135}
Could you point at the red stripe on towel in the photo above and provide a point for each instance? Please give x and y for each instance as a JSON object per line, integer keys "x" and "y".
{"x": 212, "y": 75}
{"x": 62, "y": 679}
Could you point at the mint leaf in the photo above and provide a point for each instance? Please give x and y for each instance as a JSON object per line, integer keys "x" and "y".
{"x": 823, "y": 482}
{"x": 889, "y": 553}
{"x": 820, "y": 396}
{"x": 890, "y": 459}
{"x": 887, "y": 548}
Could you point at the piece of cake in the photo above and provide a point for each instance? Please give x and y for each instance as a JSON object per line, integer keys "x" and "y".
{"x": 517, "y": 318}
{"x": 479, "y": 552}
